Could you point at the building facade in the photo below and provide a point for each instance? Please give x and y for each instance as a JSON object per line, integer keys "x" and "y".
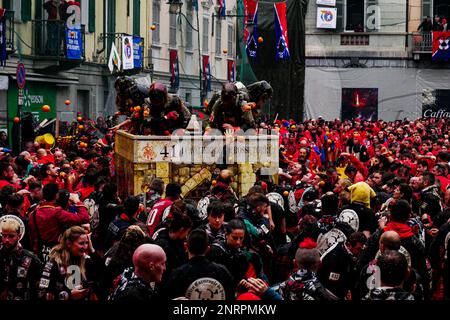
{"x": 369, "y": 54}
{"x": 37, "y": 36}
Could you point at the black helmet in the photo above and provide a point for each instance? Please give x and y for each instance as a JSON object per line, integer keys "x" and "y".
{"x": 229, "y": 92}
{"x": 260, "y": 89}
{"x": 158, "y": 93}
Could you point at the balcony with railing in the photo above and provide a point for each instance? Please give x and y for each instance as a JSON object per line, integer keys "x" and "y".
{"x": 422, "y": 42}
{"x": 50, "y": 45}
{"x": 326, "y": 44}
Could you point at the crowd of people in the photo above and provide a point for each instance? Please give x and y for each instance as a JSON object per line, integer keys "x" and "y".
{"x": 360, "y": 210}
{"x": 428, "y": 25}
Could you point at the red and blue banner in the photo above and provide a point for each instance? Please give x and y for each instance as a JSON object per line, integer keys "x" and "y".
{"x": 251, "y": 24}
{"x": 222, "y": 8}
{"x": 281, "y": 31}
{"x": 231, "y": 76}
{"x": 174, "y": 70}
{"x": 206, "y": 74}
{"x": 441, "y": 46}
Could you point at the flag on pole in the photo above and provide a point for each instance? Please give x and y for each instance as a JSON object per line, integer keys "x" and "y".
{"x": 114, "y": 59}
{"x": 206, "y": 74}
{"x": 251, "y": 30}
{"x": 222, "y": 8}
{"x": 441, "y": 46}
{"x": 231, "y": 77}
{"x": 174, "y": 70}
{"x": 281, "y": 31}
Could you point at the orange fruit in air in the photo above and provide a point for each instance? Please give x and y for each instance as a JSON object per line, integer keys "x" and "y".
{"x": 46, "y": 108}
{"x": 67, "y": 102}
{"x": 225, "y": 51}
{"x": 80, "y": 127}
{"x": 260, "y": 39}
{"x": 79, "y": 119}
{"x": 214, "y": 182}
{"x": 16, "y": 120}
{"x": 153, "y": 27}
{"x": 286, "y": 193}
{"x": 321, "y": 184}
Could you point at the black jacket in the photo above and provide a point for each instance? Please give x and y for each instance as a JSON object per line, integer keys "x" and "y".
{"x": 413, "y": 245}
{"x": 337, "y": 271}
{"x": 201, "y": 279}
{"x": 367, "y": 219}
{"x": 132, "y": 288}
{"x": 234, "y": 260}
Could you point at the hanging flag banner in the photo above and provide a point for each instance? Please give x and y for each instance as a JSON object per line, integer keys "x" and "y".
{"x": 441, "y": 46}
{"x": 251, "y": 27}
{"x": 206, "y": 74}
{"x": 281, "y": 31}
{"x": 326, "y": 18}
{"x": 222, "y": 8}
{"x": 3, "y": 53}
{"x": 74, "y": 42}
{"x": 138, "y": 45}
{"x": 127, "y": 53}
{"x": 231, "y": 77}
{"x": 174, "y": 70}
{"x": 114, "y": 59}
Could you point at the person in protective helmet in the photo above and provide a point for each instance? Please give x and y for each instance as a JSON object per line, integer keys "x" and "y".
{"x": 229, "y": 112}
{"x": 166, "y": 112}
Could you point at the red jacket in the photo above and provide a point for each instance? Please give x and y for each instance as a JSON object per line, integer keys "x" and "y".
{"x": 52, "y": 221}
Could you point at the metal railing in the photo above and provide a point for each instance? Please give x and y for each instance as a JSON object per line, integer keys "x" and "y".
{"x": 422, "y": 42}
{"x": 49, "y": 39}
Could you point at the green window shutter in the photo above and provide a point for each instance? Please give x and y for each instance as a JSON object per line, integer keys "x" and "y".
{"x": 7, "y": 4}
{"x": 137, "y": 17}
{"x": 26, "y": 10}
{"x": 91, "y": 15}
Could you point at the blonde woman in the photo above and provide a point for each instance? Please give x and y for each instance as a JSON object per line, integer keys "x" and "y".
{"x": 69, "y": 273}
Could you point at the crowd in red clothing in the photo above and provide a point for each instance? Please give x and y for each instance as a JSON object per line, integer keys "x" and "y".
{"x": 379, "y": 189}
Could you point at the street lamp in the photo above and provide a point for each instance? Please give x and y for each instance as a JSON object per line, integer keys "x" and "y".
{"x": 175, "y": 8}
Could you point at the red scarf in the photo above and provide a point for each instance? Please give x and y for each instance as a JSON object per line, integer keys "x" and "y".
{"x": 403, "y": 230}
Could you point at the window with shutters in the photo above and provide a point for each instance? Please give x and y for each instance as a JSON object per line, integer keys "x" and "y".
{"x": 137, "y": 17}
{"x": 189, "y": 16}
{"x": 26, "y": 10}
{"x": 230, "y": 40}
{"x": 156, "y": 12}
{"x": 427, "y": 8}
{"x": 205, "y": 43}
{"x": 91, "y": 27}
{"x": 218, "y": 35}
{"x": 172, "y": 30}
{"x": 354, "y": 15}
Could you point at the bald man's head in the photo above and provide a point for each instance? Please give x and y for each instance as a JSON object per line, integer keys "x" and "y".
{"x": 149, "y": 262}
{"x": 390, "y": 240}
